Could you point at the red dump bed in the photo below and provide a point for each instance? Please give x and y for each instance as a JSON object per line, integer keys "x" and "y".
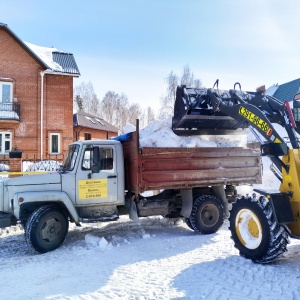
{"x": 167, "y": 168}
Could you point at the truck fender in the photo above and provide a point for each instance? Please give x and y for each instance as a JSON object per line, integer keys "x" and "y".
{"x": 45, "y": 196}
{"x": 187, "y": 202}
{"x": 219, "y": 191}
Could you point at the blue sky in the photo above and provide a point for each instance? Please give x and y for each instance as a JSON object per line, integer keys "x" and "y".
{"x": 130, "y": 46}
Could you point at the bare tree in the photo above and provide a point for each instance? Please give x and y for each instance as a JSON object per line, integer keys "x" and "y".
{"x": 187, "y": 77}
{"x": 114, "y": 109}
{"x": 79, "y": 102}
{"x": 90, "y": 102}
{"x": 134, "y": 112}
{"x": 108, "y": 106}
{"x": 149, "y": 115}
{"x": 197, "y": 83}
{"x": 167, "y": 101}
{"x": 121, "y": 112}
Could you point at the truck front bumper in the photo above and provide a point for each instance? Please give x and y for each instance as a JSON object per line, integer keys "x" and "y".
{"x": 7, "y": 220}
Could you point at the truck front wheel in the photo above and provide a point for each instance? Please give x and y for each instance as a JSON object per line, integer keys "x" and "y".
{"x": 207, "y": 214}
{"x": 46, "y": 228}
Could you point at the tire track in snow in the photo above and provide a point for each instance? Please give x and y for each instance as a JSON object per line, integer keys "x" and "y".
{"x": 213, "y": 271}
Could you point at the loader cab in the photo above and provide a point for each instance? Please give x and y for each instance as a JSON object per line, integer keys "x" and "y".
{"x": 296, "y": 109}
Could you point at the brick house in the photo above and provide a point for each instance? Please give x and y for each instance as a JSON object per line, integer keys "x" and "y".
{"x": 89, "y": 127}
{"x": 36, "y": 98}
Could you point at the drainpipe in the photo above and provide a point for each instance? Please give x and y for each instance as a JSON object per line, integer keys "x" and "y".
{"x": 42, "y": 112}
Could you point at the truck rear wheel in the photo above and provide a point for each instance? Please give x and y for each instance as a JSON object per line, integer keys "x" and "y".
{"x": 207, "y": 214}
{"x": 188, "y": 223}
{"x": 46, "y": 228}
{"x": 255, "y": 231}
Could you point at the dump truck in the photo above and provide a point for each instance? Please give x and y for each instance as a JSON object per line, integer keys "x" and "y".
{"x": 103, "y": 179}
{"x": 261, "y": 223}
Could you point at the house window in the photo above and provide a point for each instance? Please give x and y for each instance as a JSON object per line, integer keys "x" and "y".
{"x": 54, "y": 143}
{"x": 87, "y": 136}
{"x": 5, "y": 142}
{"x": 5, "y": 92}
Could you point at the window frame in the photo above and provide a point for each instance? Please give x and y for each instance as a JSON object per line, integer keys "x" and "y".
{"x": 86, "y": 159}
{"x": 51, "y": 134}
{"x": 87, "y": 134}
{"x": 107, "y": 158}
{"x": 11, "y": 91}
{"x": 3, "y": 140}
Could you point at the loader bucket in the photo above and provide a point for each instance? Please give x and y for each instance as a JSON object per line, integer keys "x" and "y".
{"x": 194, "y": 115}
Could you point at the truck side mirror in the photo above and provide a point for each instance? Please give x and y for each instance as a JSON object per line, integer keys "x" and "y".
{"x": 96, "y": 160}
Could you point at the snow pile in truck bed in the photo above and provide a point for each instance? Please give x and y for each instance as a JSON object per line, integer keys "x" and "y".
{"x": 159, "y": 134}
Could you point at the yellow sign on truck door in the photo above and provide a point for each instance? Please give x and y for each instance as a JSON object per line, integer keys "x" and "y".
{"x": 91, "y": 189}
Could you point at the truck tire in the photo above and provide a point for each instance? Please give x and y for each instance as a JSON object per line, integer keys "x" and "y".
{"x": 46, "y": 228}
{"x": 255, "y": 231}
{"x": 23, "y": 223}
{"x": 188, "y": 223}
{"x": 207, "y": 214}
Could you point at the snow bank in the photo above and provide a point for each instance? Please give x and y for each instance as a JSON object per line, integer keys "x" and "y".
{"x": 160, "y": 134}
{"x": 44, "y": 165}
{"x": 175, "y": 263}
{"x": 4, "y": 167}
{"x": 95, "y": 241}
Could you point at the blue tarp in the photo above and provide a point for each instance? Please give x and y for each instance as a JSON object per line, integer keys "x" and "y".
{"x": 122, "y": 138}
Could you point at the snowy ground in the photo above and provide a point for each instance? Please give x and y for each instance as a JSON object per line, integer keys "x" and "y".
{"x": 150, "y": 259}
{"x": 146, "y": 260}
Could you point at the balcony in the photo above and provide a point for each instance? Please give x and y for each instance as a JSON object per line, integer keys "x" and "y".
{"x": 10, "y": 111}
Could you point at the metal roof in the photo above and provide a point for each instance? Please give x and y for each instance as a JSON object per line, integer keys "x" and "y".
{"x": 87, "y": 120}
{"x": 66, "y": 61}
{"x": 287, "y": 91}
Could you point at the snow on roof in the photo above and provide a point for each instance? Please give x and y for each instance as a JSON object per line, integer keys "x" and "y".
{"x": 45, "y": 54}
{"x": 90, "y": 119}
{"x": 56, "y": 60}
{"x": 51, "y": 58}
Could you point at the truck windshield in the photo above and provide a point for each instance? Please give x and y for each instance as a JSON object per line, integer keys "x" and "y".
{"x": 70, "y": 159}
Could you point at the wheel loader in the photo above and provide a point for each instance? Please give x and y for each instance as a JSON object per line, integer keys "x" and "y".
{"x": 262, "y": 223}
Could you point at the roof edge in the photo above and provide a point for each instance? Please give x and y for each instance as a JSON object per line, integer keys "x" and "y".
{"x": 5, "y": 26}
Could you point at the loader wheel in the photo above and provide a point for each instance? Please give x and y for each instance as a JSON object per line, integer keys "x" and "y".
{"x": 255, "y": 231}
{"x": 207, "y": 214}
{"x": 46, "y": 228}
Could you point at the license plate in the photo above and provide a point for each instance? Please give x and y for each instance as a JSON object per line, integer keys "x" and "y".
{"x": 257, "y": 121}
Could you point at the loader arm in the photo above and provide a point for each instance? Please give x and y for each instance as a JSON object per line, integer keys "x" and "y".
{"x": 259, "y": 112}
{"x": 246, "y": 114}
{"x": 259, "y": 223}
{"x": 208, "y": 111}
{"x": 251, "y": 116}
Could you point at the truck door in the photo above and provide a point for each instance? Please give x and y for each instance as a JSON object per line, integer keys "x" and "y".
{"x": 94, "y": 188}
